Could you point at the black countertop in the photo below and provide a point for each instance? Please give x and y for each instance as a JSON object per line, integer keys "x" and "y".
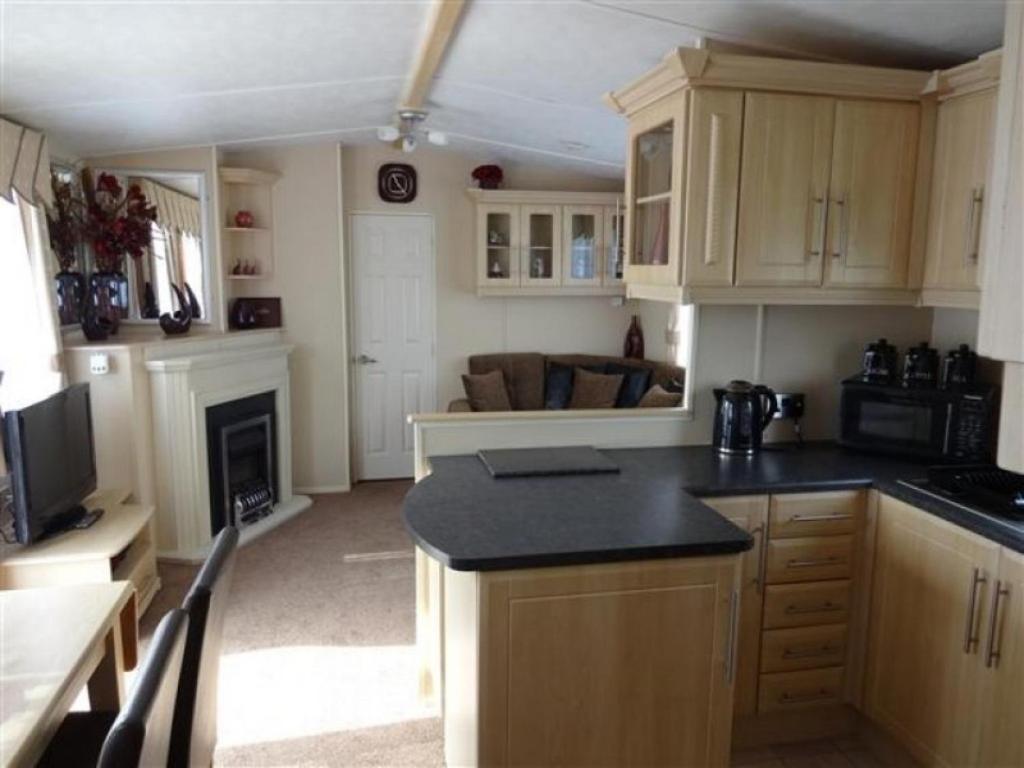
{"x": 470, "y": 521}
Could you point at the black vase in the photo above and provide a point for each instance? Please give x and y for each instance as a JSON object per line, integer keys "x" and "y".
{"x": 70, "y": 296}
{"x": 108, "y": 296}
{"x": 150, "y": 310}
{"x": 178, "y": 322}
{"x": 634, "y": 343}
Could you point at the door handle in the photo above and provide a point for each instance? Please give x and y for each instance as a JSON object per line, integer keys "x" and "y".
{"x": 365, "y": 360}
{"x": 992, "y": 652}
{"x": 759, "y": 578}
{"x": 731, "y": 650}
{"x": 818, "y": 235}
{"x": 840, "y": 245}
{"x": 819, "y": 518}
{"x": 823, "y": 608}
{"x": 974, "y": 224}
{"x": 970, "y": 637}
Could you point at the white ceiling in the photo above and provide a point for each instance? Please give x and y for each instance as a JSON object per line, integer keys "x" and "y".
{"x": 522, "y": 79}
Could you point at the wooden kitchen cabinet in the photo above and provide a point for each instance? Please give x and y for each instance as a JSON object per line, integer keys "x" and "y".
{"x": 1002, "y": 712}
{"x": 787, "y": 149}
{"x": 497, "y": 233}
{"x": 871, "y": 193}
{"x": 751, "y": 514}
{"x": 611, "y": 664}
{"x": 583, "y": 231}
{"x": 933, "y": 584}
{"x": 963, "y": 146}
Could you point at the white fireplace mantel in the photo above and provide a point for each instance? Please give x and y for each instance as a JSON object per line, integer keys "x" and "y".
{"x": 183, "y": 384}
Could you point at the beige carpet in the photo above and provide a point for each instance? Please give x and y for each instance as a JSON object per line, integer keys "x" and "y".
{"x": 318, "y": 665}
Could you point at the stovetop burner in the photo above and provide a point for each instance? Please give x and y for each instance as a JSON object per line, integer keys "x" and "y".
{"x": 991, "y": 489}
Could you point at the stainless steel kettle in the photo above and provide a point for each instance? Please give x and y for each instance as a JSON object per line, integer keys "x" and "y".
{"x": 741, "y": 415}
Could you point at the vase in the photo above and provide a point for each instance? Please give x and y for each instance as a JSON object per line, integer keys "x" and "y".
{"x": 70, "y": 296}
{"x": 108, "y": 296}
{"x": 150, "y": 309}
{"x": 634, "y": 344}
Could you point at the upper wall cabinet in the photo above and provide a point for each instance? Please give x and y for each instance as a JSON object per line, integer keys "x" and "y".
{"x": 758, "y": 180}
{"x": 966, "y": 97}
{"x": 1001, "y": 321}
{"x": 548, "y": 243}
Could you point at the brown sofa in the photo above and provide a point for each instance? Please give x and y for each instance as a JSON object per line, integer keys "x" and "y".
{"x": 526, "y": 374}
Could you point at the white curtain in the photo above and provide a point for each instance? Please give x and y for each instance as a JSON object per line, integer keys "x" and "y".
{"x": 24, "y": 164}
{"x": 30, "y": 346}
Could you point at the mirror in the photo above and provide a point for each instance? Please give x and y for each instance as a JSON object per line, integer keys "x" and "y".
{"x": 177, "y": 255}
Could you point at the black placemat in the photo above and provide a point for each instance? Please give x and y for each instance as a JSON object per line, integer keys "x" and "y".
{"x": 534, "y": 462}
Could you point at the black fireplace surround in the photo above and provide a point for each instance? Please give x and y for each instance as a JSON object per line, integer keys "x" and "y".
{"x": 241, "y": 443}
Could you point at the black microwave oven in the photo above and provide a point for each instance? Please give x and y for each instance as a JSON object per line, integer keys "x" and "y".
{"x": 937, "y": 425}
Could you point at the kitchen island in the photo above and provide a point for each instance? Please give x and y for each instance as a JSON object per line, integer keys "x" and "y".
{"x": 600, "y": 613}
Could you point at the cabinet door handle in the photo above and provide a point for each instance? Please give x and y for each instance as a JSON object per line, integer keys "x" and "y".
{"x": 823, "y": 608}
{"x": 810, "y": 562}
{"x": 818, "y": 235}
{"x": 992, "y": 651}
{"x": 974, "y": 224}
{"x": 759, "y": 579}
{"x": 734, "y": 626}
{"x": 840, "y": 249}
{"x": 804, "y": 698}
{"x": 818, "y": 518}
{"x": 809, "y": 653}
{"x": 970, "y": 636}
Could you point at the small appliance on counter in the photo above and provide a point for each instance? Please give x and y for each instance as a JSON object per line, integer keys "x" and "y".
{"x": 941, "y": 425}
{"x": 921, "y": 366}
{"x": 879, "y": 362}
{"x": 959, "y": 367}
{"x": 742, "y": 413}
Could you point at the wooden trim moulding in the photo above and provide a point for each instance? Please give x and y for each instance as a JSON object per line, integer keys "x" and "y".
{"x": 690, "y": 67}
{"x": 537, "y": 197}
{"x": 978, "y": 75}
{"x": 953, "y": 299}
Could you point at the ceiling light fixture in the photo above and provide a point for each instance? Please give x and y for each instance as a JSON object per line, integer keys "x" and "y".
{"x": 409, "y": 130}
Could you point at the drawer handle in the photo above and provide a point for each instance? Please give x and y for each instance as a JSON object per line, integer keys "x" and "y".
{"x": 819, "y": 518}
{"x": 992, "y": 652}
{"x": 797, "y": 609}
{"x": 803, "y": 698}
{"x": 810, "y": 653}
{"x": 970, "y": 636}
{"x": 811, "y": 562}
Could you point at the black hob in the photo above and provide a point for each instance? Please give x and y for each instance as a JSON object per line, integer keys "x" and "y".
{"x": 982, "y": 488}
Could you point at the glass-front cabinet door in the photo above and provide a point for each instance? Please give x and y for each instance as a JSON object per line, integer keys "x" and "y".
{"x": 613, "y": 245}
{"x": 540, "y": 252}
{"x": 583, "y": 232}
{"x": 653, "y": 193}
{"x": 498, "y": 245}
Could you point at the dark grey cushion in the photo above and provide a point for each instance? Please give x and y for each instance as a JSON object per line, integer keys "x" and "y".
{"x": 635, "y": 382}
{"x": 558, "y": 388}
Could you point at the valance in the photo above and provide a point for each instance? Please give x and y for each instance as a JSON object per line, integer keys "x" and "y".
{"x": 174, "y": 210}
{"x": 24, "y": 164}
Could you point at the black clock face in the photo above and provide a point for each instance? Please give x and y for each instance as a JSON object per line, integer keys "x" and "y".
{"x": 396, "y": 183}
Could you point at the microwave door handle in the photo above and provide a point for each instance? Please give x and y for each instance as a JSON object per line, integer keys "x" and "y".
{"x": 949, "y": 427}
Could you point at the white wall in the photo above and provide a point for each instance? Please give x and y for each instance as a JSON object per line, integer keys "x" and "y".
{"x": 468, "y": 325}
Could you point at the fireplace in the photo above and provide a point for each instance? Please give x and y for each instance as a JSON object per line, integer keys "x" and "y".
{"x": 241, "y": 441}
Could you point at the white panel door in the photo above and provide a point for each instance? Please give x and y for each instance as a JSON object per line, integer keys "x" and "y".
{"x": 393, "y": 349}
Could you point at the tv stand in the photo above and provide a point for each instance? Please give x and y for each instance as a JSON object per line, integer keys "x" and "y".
{"x": 112, "y": 541}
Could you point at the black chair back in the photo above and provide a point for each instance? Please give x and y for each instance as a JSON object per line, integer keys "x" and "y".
{"x": 141, "y": 734}
{"x": 195, "y": 713}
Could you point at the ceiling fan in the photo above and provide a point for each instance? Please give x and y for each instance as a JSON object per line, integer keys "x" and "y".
{"x": 409, "y": 131}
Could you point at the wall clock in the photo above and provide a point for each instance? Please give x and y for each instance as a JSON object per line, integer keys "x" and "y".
{"x": 396, "y": 183}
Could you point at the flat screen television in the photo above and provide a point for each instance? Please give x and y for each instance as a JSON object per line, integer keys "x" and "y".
{"x": 52, "y": 462}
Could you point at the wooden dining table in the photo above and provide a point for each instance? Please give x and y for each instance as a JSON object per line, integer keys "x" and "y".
{"x": 53, "y": 642}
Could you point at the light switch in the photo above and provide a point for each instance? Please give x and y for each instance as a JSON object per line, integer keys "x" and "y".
{"x": 99, "y": 363}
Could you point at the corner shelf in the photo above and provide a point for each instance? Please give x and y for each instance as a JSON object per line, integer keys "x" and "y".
{"x": 247, "y": 189}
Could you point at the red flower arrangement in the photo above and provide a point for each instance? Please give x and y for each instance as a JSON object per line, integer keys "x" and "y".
{"x": 117, "y": 223}
{"x": 63, "y": 223}
{"x": 488, "y": 176}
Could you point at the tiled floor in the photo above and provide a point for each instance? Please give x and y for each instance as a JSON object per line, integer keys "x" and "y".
{"x": 823, "y": 753}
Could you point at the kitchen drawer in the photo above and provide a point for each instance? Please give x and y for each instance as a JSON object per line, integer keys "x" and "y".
{"x": 814, "y": 514}
{"x": 781, "y": 691}
{"x": 806, "y": 605}
{"x": 786, "y": 650}
{"x": 815, "y": 559}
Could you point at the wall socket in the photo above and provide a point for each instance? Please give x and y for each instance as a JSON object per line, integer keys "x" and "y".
{"x": 791, "y": 406}
{"x": 99, "y": 363}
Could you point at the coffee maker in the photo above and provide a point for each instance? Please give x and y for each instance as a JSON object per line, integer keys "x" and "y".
{"x": 741, "y": 415}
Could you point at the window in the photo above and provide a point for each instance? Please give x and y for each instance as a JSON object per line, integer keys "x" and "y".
{"x": 29, "y": 348}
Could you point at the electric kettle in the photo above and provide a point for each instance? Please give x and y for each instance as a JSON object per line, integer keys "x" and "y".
{"x": 741, "y": 415}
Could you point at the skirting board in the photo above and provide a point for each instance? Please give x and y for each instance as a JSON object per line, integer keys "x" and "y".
{"x": 282, "y": 512}
{"x": 313, "y": 490}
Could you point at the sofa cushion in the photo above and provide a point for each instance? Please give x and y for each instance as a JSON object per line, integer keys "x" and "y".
{"x": 635, "y": 383}
{"x": 594, "y": 390}
{"x": 486, "y": 391}
{"x": 558, "y": 388}
{"x": 524, "y": 376}
{"x": 658, "y": 397}
{"x": 661, "y": 373}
